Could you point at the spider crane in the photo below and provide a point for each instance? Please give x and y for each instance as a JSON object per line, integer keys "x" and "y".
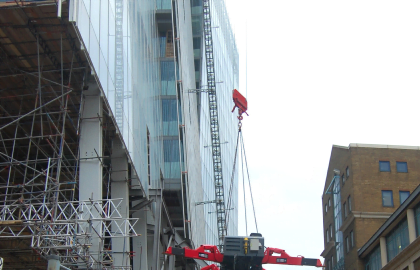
{"x": 242, "y": 253}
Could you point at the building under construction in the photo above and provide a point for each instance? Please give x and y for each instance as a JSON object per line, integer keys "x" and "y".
{"x": 113, "y": 145}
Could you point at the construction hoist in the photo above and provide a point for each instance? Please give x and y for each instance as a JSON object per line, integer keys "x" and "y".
{"x": 242, "y": 253}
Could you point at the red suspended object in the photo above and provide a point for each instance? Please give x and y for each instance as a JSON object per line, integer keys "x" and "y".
{"x": 240, "y": 103}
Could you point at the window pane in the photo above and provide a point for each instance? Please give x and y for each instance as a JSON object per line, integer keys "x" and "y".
{"x": 352, "y": 238}
{"x": 384, "y": 166}
{"x": 347, "y": 245}
{"x": 404, "y": 195}
{"x": 387, "y": 199}
{"x": 397, "y": 240}
{"x": 347, "y": 172}
{"x": 373, "y": 261}
{"x": 402, "y": 167}
{"x": 417, "y": 218}
{"x": 349, "y": 200}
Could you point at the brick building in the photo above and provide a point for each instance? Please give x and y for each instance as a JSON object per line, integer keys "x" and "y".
{"x": 365, "y": 184}
{"x": 396, "y": 244}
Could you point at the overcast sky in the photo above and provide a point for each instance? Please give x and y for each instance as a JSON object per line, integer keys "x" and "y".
{"x": 319, "y": 73}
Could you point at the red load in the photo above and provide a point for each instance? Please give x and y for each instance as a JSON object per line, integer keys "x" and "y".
{"x": 240, "y": 103}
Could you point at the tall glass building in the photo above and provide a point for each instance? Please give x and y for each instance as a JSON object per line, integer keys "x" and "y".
{"x": 150, "y": 60}
{"x": 106, "y": 157}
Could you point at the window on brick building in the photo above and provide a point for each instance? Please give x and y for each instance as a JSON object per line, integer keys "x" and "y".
{"x": 328, "y": 236}
{"x": 402, "y": 167}
{"x": 331, "y": 232}
{"x": 343, "y": 178}
{"x": 347, "y": 245}
{"x": 349, "y": 203}
{"x": 329, "y": 202}
{"x": 384, "y": 166}
{"x": 387, "y": 199}
{"x": 326, "y": 208}
{"x": 352, "y": 239}
{"x": 403, "y": 196}
{"x": 347, "y": 172}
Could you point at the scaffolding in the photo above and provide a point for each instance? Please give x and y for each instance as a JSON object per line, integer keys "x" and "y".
{"x": 43, "y": 76}
{"x": 214, "y": 126}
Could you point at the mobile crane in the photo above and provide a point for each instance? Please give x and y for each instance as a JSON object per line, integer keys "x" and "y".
{"x": 242, "y": 253}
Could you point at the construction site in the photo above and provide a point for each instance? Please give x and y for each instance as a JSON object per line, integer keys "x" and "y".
{"x": 71, "y": 193}
{"x": 113, "y": 144}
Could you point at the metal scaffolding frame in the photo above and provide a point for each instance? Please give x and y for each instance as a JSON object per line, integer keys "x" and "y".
{"x": 214, "y": 125}
{"x": 41, "y": 104}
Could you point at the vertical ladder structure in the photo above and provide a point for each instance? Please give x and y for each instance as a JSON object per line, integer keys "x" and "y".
{"x": 214, "y": 125}
{"x": 119, "y": 64}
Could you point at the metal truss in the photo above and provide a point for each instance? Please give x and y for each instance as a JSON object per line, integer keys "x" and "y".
{"x": 41, "y": 105}
{"x": 214, "y": 125}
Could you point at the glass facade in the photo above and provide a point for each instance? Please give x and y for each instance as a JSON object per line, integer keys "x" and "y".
{"x": 397, "y": 240}
{"x": 417, "y": 219}
{"x": 97, "y": 24}
{"x": 373, "y": 261}
{"x": 146, "y": 65}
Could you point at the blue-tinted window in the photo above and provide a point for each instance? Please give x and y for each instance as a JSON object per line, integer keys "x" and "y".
{"x": 384, "y": 166}
{"x": 373, "y": 261}
{"x": 387, "y": 199}
{"x": 417, "y": 218}
{"x": 402, "y": 166}
{"x": 397, "y": 240}
{"x": 404, "y": 195}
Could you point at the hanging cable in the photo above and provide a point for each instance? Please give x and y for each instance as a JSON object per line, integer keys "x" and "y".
{"x": 249, "y": 183}
{"x": 229, "y": 204}
{"x": 243, "y": 185}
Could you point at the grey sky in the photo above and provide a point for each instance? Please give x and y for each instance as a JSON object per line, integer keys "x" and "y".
{"x": 320, "y": 73}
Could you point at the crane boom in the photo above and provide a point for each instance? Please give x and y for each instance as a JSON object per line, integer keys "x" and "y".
{"x": 214, "y": 125}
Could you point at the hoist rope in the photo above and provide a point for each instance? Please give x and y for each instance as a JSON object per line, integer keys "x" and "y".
{"x": 229, "y": 204}
{"x": 249, "y": 183}
{"x": 243, "y": 157}
{"x": 243, "y": 185}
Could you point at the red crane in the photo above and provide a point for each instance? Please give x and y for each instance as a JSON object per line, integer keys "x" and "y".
{"x": 242, "y": 253}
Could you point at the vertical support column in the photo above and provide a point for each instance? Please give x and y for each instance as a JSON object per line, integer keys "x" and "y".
{"x": 119, "y": 189}
{"x": 140, "y": 242}
{"x": 384, "y": 257}
{"x": 411, "y": 225}
{"x": 171, "y": 265}
{"x": 156, "y": 194}
{"x": 90, "y": 186}
{"x": 53, "y": 262}
{"x": 411, "y": 266}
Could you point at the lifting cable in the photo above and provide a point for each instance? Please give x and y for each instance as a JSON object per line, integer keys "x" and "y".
{"x": 243, "y": 158}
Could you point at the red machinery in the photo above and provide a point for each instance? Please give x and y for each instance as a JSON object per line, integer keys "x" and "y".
{"x": 242, "y": 253}
{"x": 240, "y": 103}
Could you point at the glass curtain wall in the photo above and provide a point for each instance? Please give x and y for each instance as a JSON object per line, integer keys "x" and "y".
{"x": 373, "y": 261}
{"x": 227, "y": 78}
{"x": 96, "y": 22}
{"x": 397, "y": 240}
